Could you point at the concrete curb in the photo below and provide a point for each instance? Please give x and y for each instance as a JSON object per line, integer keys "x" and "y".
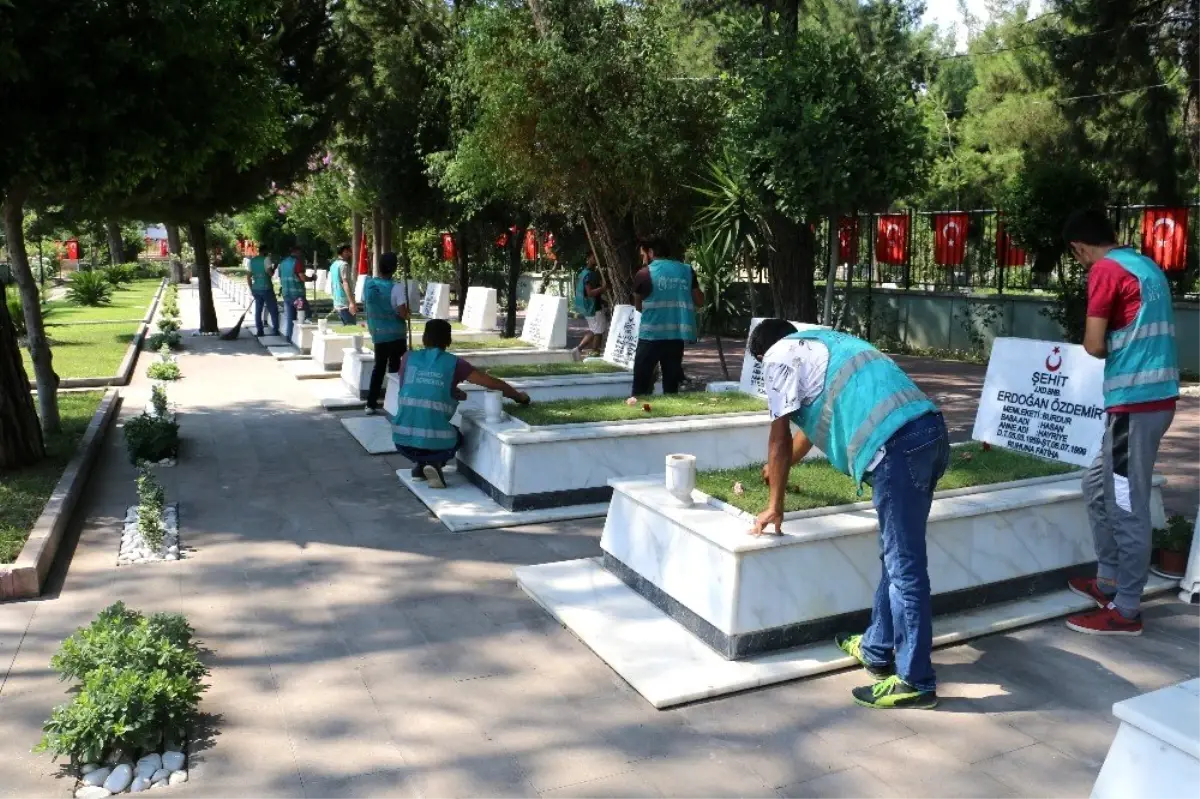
{"x": 24, "y": 578}
{"x": 125, "y": 371}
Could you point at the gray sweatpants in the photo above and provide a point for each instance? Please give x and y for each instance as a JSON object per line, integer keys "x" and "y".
{"x": 1117, "y": 491}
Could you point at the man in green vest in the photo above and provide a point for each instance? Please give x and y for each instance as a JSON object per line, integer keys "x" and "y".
{"x": 667, "y": 293}
{"x": 429, "y": 397}
{"x": 1131, "y": 325}
{"x": 871, "y": 421}
{"x": 291, "y": 285}
{"x": 341, "y": 288}
{"x": 589, "y": 302}
{"x": 259, "y": 279}
{"x": 387, "y": 323}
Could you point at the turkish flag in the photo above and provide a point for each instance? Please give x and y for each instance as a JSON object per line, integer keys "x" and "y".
{"x": 1164, "y": 237}
{"x": 950, "y": 238}
{"x": 848, "y": 240}
{"x": 891, "y": 239}
{"x": 447, "y": 246}
{"x": 162, "y": 249}
{"x": 502, "y": 241}
{"x": 72, "y": 250}
{"x": 1007, "y": 252}
{"x": 531, "y": 245}
{"x": 363, "y": 269}
{"x": 548, "y": 247}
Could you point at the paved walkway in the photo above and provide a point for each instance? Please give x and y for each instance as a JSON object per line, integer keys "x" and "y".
{"x": 358, "y": 649}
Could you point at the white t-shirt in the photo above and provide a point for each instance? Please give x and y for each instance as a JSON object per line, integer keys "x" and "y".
{"x": 794, "y": 376}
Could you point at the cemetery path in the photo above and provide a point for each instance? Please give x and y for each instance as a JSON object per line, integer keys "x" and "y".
{"x": 359, "y": 649}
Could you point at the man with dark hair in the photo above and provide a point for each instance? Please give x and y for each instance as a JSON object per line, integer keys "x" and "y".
{"x": 387, "y": 323}
{"x": 341, "y": 288}
{"x": 1131, "y": 325}
{"x": 871, "y": 421}
{"x": 429, "y": 397}
{"x": 667, "y": 293}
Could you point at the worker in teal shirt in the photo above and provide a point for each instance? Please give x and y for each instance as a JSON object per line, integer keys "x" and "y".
{"x": 259, "y": 279}
{"x": 340, "y": 287}
{"x": 667, "y": 293}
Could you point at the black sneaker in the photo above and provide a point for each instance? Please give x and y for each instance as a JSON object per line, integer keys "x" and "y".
{"x": 852, "y": 646}
{"x": 433, "y": 475}
{"x": 894, "y": 693}
{"x": 417, "y": 473}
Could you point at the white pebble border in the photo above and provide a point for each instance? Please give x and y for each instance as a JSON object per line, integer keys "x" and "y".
{"x": 1192, "y": 390}
{"x": 134, "y": 550}
{"x": 149, "y": 772}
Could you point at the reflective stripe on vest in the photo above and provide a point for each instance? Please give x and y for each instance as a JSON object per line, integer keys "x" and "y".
{"x": 426, "y": 404}
{"x": 259, "y": 279}
{"x": 1142, "y": 365}
{"x": 433, "y": 405}
{"x": 839, "y": 382}
{"x": 669, "y": 313}
{"x": 424, "y": 432}
{"x": 288, "y": 282}
{"x": 382, "y": 321}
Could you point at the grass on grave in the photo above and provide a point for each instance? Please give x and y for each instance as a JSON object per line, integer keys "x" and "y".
{"x": 816, "y": 484}
{"x": 486, "y": 344}
{"x": 554, "y": 369}
{"x": 23, "y": 492}
{"x": 86, "y": 350}
{"x": 129, "y": 302}
{"x": 614, "y": 409}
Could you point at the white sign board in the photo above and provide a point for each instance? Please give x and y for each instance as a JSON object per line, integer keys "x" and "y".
{"x": 621, "y": 344}
{"x": 752, "y": 371}
{"x": 1043, "y": 398}
{"x": 323, "y": 281}
{"x": 479, "y": 311}
{"x": 436, "y": 303}
{"x": 359, "y": 284}
{"x": 545, "y": 322}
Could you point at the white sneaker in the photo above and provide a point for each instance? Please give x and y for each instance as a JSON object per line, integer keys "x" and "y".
{"x": 371, "y": 411}
{"x": 433, "y": 477}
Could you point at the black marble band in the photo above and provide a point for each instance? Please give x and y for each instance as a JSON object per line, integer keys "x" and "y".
{"x": 545, "y": 499}
{"x": 789, "y": 636}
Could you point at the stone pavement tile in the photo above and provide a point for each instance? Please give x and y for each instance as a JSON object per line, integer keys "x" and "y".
{"x": 699, "y": 772}
{"x": 965, "y": 733}
{"x": 852, "y": 783}
{"x": 917, "y": 766}
{"x": 384, "y": 782}
{"x": 1041, "y": 770}
{"x": 1082, "y": 735}
{"x": 629, "y": 784}
{"x": 1172, "y": 618}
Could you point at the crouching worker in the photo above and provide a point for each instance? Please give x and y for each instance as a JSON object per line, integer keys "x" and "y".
{"x": 428, "y": 399}
{"x": 873, "y": 423}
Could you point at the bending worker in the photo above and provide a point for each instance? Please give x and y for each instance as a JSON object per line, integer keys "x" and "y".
{"x": 872, "y": 423}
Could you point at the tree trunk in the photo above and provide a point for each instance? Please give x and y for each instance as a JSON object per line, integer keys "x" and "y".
{"x": 116, "y": 247}
{"x": 751, "y": 281}
{"x": 31, "y": 305}
{"x": 831, "y": 276}
{"x": 20, "y": 435}
{"x": 385, "y": 232}
{"x": 616, "y": 252}
{"x": 176, "y": 249}
{"x": 792, "y": 268}
{"x": 514, "y": 274}
{"x": 198, "y": 232}
{"x": 462, "y": 270}
{"x": 376, "y": 239}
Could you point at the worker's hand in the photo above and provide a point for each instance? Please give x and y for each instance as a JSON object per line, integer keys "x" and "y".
{"x": 353, "y": 308}
{"x": 766, "y": 519}
{"x": 522, "y": 398}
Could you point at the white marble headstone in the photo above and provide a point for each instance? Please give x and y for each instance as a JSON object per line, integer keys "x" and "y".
{"x": 621, "y": 344}
{"x": 415, "y": 294}
{"x": 479, "y": 311}
{"x": 545, "y": 322}
{"x": 436, "y": 303}
{"x": 323, "y": 281}
{"x": 359, "y": 283}
{"x": 752, "y": 371}
{"x": 1044, "y": 398}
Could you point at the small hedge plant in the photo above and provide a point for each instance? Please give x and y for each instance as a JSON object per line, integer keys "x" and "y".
{"x": 151, "y": 438}
{"x": 164, "y": 368}
{"x": 152, "y": 501}
{"x": 120, "y": 274}
{"x": 1176, "y": 537}
{"x": 141, "y": 680}
{"x": 89, "y": 288}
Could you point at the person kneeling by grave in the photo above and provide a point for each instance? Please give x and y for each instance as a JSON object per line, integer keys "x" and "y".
{"x": 428, "y": 400}
{"x": 873, "y": 423}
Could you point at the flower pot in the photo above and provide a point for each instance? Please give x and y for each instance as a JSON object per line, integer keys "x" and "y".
{"x": 681, "y": 477}
{"x": 492, "y": 406}
{"x": 1172, "y": 562}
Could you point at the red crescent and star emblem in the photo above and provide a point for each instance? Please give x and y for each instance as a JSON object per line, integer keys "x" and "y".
{"x": 1057, "y": 362}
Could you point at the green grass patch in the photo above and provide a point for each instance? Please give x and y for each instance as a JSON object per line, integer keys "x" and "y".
{"x": 487, "y": 344}
{"x": 23, "y": 492}
{"x": 129, "y": 302}
{"x": 816, "y": 484}
{"x": 611, "y": 409}
{"x": 86, "y": 350}
{"x": 554, "y": 369}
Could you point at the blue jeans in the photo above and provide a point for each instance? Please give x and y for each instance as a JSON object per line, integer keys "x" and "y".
{"x": 901, "y": 630}
{"x": 265, "y": 299}
{"x": 289, "y": 314}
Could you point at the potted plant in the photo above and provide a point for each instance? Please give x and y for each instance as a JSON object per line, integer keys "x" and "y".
{"x": 1172, "y": 546}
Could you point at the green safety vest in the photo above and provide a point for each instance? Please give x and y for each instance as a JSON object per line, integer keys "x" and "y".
{"x": 1142, "y": 364}
{"x": 669, "y": 312}
{"x": 260, "y": 279}
{"x": 382, "y": 321}
{"x": 336, "y": 272}
{"x": 583, "y": 303}
{"x": 292, "y": 286}
{"x": 426, "y": 404}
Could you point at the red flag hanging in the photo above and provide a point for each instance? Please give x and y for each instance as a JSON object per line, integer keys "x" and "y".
{"x": 950, "y": 238}
{"x": 891, "y": 239}
{"x": 448, "y": 247}
{"x": 1007, "y": 252}
{"x": 162, "y": 249}
{"x": 1164, "y": 237}
{"x": 530, "y": 245}
{"x": 848, "y": 240}
{"x": 548, "y": 247}
{"x": 502, "y": 240}
{"x": 363, "y": 269}
{"x": 72, "y": 250}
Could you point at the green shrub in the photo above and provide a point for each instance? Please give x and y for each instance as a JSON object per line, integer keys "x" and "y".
{"x": 151, "y": 438}
{"x": 89, "y": 288}
{"x": 159, "y": 340}
{"x": 1177, "y": 537}
{"x": 158, "y": 400}
{"x": 152, "y": 501}
{"x": 164, "y": 370}
{"x": 153, "y": 269}
{"x": 168, "y": 324}
{"x": 18, "y": 316}
{"x": 121, "y": 274}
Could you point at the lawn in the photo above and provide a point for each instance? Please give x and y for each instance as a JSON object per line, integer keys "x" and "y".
{"x": 129, "y": 303}
{"x": 488, "y": 344}
{"x": 609, "y": 409}
{"x": 23, "y": 493}
{"x": 816, "y": 484}
{"x": 554, "y": 369}
{"x": 86, "y": 350}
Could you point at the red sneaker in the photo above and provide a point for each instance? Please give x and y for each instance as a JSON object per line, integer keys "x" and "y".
{"x": 1105, "y": 621}
{"x": 1088, "y": 587}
